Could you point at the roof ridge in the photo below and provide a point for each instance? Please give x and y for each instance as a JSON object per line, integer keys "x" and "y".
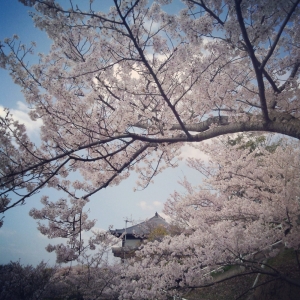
{"x": 139, "y": 226}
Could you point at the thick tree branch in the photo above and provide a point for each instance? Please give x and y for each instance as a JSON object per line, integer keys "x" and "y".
{"x": 255, "y": 63}
{"x": 44, "y": 161}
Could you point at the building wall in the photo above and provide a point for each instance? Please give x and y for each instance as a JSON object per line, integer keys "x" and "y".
{"x": 132, "y": 243}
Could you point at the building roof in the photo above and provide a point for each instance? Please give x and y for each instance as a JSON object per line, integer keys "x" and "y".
{"x": 142, "y": 229}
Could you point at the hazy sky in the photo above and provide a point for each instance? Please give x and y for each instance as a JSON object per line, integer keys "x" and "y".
{"x": 19, "y": 238}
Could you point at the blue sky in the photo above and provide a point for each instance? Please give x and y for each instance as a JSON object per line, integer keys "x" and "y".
{"x": 19, "y": 238}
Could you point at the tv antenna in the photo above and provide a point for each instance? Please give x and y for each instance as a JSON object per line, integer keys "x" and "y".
{"x": 126, "y": 221}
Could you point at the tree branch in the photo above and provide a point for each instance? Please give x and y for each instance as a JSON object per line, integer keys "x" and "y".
{"x": 264, "y": 62}
{"x": 145, "y": 61}
{"x": 36, "y": 189}
{"x": 210, "y": 12}
{"x": 122, "y": 168}
{"x": 255, "y": 63}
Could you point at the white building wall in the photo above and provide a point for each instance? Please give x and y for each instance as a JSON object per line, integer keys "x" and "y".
{"x": 132, "y": 243}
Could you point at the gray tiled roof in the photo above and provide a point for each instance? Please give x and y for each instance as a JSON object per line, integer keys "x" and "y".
{"x": 143, "y": 228}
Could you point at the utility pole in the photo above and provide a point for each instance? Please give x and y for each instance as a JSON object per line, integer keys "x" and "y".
{"x": 126, "y": 221}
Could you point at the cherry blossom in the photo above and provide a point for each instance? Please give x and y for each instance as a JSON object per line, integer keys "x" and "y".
{"x": 122, "y": 91}
{"x": 117, "y": 95}
{"x": 248, "y": 207}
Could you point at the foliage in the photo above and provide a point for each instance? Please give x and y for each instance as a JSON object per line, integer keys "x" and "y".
{"x": 157, "y": 233}
{"x": 251, "y": 142}
{"x": 24, "y": 282}
{"x": 41, "y": 282}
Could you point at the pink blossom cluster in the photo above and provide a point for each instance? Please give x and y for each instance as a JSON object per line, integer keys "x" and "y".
{"x": 248, "y": 204}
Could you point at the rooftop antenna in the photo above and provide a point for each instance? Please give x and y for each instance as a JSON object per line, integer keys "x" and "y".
{"x": 126, "y": 221}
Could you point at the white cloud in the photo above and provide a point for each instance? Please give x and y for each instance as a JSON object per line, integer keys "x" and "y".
{"x": 21, "y": 114}
{"x": 151, "y": 26}
{"x": 144, "y": 206}
{"x": 206, "y": 40}
{"x": 152, "y": 206}
{"x": 189, "y": 151}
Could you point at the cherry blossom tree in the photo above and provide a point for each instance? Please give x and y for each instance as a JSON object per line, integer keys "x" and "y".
{"x": 247, "y": 207}
{"x": 67, "y": 220}
{"x": 93, "y": 278}
{"x": 122, "y": 91}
